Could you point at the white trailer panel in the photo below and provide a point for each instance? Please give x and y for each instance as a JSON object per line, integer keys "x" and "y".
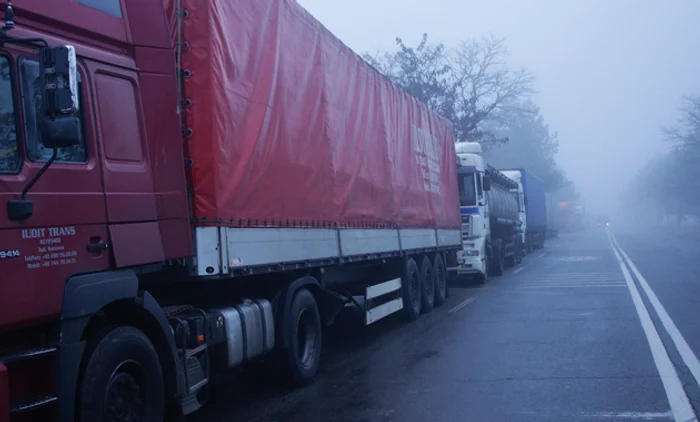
{"x": 220, "y": 249}
{"x": 362, "y": 241}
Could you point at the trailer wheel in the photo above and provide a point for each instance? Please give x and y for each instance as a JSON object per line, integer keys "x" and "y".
{"x": 440, "y": 280}
{"x": 122, "y": 380}
{"x": 303, "y": 357}
{"x": 427, "y": 278}
{"x": 411, "y": 286}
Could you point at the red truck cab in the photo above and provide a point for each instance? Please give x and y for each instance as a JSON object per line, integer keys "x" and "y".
{"x": 154, "y": 233}
{"x": 115, "y": 199}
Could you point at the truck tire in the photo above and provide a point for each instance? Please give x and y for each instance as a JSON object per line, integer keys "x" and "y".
{"x": 498, "y": 258}
{"x": 427, "y": 279}
{"x": 510, "y": 261}
{"x": 122, "y": 379}
{"x": 441, "y": 288}
{"x": 302, "y": 358}
{"x": 411, "y": 291}
{"x": 519, "y": 253}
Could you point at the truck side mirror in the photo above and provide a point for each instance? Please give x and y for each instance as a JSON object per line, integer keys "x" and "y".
{"x": 59, "y": 82}
{"x": 61, "y": 132}
{"x": 525, "y": 201}
{"x": 487, "y": 183}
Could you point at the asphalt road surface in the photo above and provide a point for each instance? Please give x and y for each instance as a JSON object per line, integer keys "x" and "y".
{"x": 593, "y": 327}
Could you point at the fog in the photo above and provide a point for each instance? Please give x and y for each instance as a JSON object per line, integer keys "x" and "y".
{"x": 609, "y": 73}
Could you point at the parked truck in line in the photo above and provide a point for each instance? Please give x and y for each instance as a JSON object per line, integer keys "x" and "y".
{"x": 489, "y": 210}
{"x": 522, "y": 211}
{"x": 196, "y": 184}
{"x": 535, "y": 207}
{"x": 572, "y": 216}
{"x": 552, "y": 216}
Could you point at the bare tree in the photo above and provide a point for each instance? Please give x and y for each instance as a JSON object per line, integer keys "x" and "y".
{"x": 685, "y": 135}
{"x": 668, "y": 182}
{"x": 422, "y": 71}
{"x": 487, "y": 90}
{"x": 471, "y": 85}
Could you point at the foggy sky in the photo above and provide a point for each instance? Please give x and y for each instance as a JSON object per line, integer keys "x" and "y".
{"x": 609, "y": 72}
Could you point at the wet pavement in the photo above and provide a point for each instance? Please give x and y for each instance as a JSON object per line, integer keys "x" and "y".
{"x": 557, "y": 339}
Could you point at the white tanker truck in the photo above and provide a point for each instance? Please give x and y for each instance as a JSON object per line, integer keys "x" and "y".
{"x": 490, "y": 207}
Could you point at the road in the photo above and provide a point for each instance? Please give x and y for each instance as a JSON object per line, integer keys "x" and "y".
{"x": 563, "y": 337}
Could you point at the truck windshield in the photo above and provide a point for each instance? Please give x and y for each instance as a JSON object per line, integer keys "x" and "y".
{"x": 467, "y": 193}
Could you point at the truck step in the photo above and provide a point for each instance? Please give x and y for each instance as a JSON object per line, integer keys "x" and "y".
{"x": 31, "y": 404}
{"x": 196, "y": 377}
{"x": 190, "y": 403}
{"x": 196, "y": 380}
{"x": 26, "y": 354}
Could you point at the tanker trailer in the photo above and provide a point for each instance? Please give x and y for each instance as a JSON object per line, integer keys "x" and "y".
{"x": 489, "y": 212}
{"x": 506, "y": 248}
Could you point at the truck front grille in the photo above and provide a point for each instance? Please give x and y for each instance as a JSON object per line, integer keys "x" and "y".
{"x": 466, "y": 225}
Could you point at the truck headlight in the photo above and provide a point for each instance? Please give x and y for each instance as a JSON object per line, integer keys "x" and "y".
{"x": 474, "y": 252}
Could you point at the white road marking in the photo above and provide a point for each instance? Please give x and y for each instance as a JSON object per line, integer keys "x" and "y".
{"x": 689, "y": 358}
{"x": 581, "y": 281}
{"x": 607, "y": 279}
{"x": 540, "y": 256}
{"x": 518, "y": 270}
{"x": 631, "y": 415}
{"x": 567, "y": 279}
{"x": 559, "y": 286}
{"x": 464, "y": 303}
{"x": 680, "y": 404}
{"x": 579, "y": 258}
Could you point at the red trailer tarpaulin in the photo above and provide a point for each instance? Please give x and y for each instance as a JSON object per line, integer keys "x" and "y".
{"x": 290, "y": 126}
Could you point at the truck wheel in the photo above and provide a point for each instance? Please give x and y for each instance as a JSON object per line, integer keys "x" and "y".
{"x": 427, "y": 278}
{"x": 440, "y": 280}
{"x": 498, "y": 259}
{"x": 303, "y": 357}
{"x": 510, "y": 261}
{"x": 411, "y": 286}
{"x": 122, "y": 380}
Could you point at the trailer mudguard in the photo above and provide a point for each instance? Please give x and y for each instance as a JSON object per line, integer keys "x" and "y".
{"x": 84, "y": 296}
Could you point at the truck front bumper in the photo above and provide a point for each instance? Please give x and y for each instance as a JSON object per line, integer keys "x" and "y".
{"x": 467, "y": 265}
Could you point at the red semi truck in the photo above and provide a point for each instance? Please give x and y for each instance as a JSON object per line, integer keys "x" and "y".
{"x": 189, "y": 185}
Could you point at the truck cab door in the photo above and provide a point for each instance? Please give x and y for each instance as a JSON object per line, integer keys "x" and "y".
{"x": 133, "y": 206}
{"x": 66, "y": 232}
